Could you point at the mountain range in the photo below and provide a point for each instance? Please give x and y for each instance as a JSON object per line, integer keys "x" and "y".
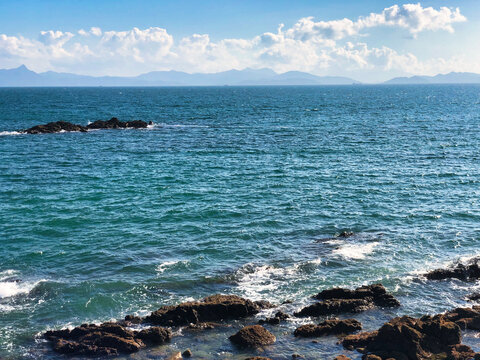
{"x": 23, "y": 77}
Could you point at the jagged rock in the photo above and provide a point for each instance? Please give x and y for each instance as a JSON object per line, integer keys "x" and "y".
{"x": 465, "y": 318}
{"x": 99, "y": 340}
{"x": 410, "y": 338}
{"x": 329, "y": 327}
{"x": 342, "y": 357}
{"x": 155, "y": 335}
{"x": 253, "y": 336}
{"x": 336, "y": 306}
{"x": 376, "y": 294}
{"x": 474, "y": 297}
{"x": 211, "y": 308}
{"x": 468, "y": 271}
{"x": 114, "y": 123}
{"x": 279, "y": 316}
{"x": 54, "y": 127}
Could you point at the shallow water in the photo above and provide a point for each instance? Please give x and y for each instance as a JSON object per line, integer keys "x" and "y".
{"x": 234, "y": 190}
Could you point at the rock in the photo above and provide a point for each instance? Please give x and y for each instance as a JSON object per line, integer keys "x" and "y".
{"x": 98, "y": 340}
{"x": 257, "y": 358}
{"x": 342, "y": 357}
{"x": 345, "y": 234}
{"x": 187, "y": 353}
{"x": 155, "y": 335}
{"x": 468, "y": 271}
{"x": 211, "y": 308}
{"x": 55, "y": 127}
{"x": 474, "y": 297}
{"x": 176, "y": 356}
{"x": 203, "y": 326}
{"x": 297, "y": 356}
{"x": 114, "y": 123}
{"x": 341, "y": 300}
{"x": 329, "y": 327}
{"x": 410, "y": 338}
{"x": 465, "y": 318}
{"x": 371, "y": 357}
{"x": 279, "y": 316}
{"x": 336, "y": 306}
{"x": 253, "y": 336}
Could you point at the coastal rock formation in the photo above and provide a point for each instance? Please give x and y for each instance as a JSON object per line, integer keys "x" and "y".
{"x": 410, "y": 338}
{"x": 104, "y": 339}
{"x": 465, "y": 318}
{"x": 253, "y": 336}
{"x": 342, "y": 357}
{"x": 114, "y": 123}
{"x": 275, "y": 320}
{"x": 329, "y": 327}
{"x": 211, "y": 308}
{"x": 340, "y": 300}
{"x": 59, "y": 126}
{"x": 54, "y": 127}
{"x": 468, "y": 271}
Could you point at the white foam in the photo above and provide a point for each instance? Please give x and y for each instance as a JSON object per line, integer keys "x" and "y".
{"x": 12, "y": 288}
{"x": 7, "y": 133}
{"x": 355, "y": 251}
{"x": 169, "y": 264}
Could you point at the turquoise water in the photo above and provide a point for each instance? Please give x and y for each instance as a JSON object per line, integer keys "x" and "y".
{"x": 233, "y": 190}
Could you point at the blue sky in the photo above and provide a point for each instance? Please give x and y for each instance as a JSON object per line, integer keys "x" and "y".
{"x": 322, "y": 37}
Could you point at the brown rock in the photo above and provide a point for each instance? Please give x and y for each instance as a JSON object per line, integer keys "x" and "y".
{"x": 253, "y": 336}
{"x": 54, "y": 127}
{"x": 187, "y": 353}
{"x": 155, "y": 335}
{"x": 342, "y": 357}
{"x": 279, "y": 316}
{"x": 211, "y": 308}
{"x": 329, "y": 327}
{"x": 335, "y": 306}
{"x": 468, "y": 271}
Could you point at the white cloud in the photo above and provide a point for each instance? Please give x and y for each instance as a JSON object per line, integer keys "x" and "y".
{"x": 322, "y": 47}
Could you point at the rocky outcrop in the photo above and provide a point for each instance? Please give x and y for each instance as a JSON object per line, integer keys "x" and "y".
{"x": 210, "y": 309}
{"x": 104, "y": 339}
{"x": 253, "y": 336}
{"x": 465, "y": 318}
{"x": 61, "y": 126}
{"x": 114, "y": 123}
{"x": 340, "y": 300}
{"x": 55, "y": 127}
{"x": 329, "y": 327}
{"x": 410, "y": 338}
{"x": 468, "y": 271}
{"x": 275, "y": 320}
{"x": 342, "y": 357}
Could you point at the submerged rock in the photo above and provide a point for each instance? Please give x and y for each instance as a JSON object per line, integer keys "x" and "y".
{"x": 340, "y": 300}
{"x": 99, "y": 340}
{"x": 410, "y": 338}
{"x": 114, "y": 123}
{"x": 253, "y": 336}
{"x": 468, "y": 271}
{"x": 329, "y": 327}
{"x": 212, "y": 308}
{"x": 55, "y": 127}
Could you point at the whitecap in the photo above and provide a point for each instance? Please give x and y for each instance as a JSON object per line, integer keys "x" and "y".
{"x": 13, "y": 288}
{"x": 169, "y": 264}
{"x": 7, "y": 133}
{"x": 355, "y": 251}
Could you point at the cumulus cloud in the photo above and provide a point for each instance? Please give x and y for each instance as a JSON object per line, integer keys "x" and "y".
{"x": 320, "y": 47}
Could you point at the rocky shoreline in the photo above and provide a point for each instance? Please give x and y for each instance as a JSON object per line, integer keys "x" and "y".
{"x": 64, "y": 126}
{"x": 402, "y": 338}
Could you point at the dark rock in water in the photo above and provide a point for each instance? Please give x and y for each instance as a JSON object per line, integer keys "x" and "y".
{"x": 253, "y": 336}
{"x": 335, "y": 306}
{"x": 132, "y": 319}
{"x": 345, "y": 234}
{"x": 468, "y": 271}
{"x": 342, "y": 357}
{"x": 279, "y": 316}
{"x": 211, "y": 308}
{"x": 187, "y": 353}
{"x": 204, "y": 326}
{"x": 474, "y": 297}
{"x": 410, "y": 338}
{"x": 329, "y": 327}
{"x": 340, "y": 300}
{"x": 55, "y": 127}
{"x": 98, "y": 340}
{"x": 155, "y": 335}
{"x": 465, "y": 318}
{"x": 114, "y": 123}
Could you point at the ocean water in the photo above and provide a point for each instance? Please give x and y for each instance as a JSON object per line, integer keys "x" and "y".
{"x": 234, "y": 190}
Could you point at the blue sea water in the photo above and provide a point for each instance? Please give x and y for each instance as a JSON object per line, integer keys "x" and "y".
{"x": 233, "y": 190}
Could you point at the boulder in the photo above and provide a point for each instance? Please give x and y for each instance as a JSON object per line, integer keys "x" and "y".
{"x": 210, "y": 309}
{"x": 55, "y": 127}
{"x": 335, "y": 306}
{"x": 405, "y": 338}
{"x": 329, "y": 327}
{"x": 467, "y": 271}
{"x": 465, "y": 318}
{"x": 275, "y": 320}
{"x": 155, "y": 335}
{"x": 253, "y": 336}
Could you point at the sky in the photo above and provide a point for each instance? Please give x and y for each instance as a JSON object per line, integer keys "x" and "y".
{"x": 367, "y": 40}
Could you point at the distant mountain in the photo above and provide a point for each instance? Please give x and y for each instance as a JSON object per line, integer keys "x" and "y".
{"x": 22, "y": 76}
{"x": 450, "y": 78}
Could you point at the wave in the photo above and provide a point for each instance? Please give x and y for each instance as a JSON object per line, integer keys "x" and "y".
{"x": 355, "y": 251}
{"x": 168, "y": 265}
{"x": 9, "y": 133}
{"x": 14, "y": 288}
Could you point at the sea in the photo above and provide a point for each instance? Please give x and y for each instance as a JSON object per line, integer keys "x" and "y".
{"x": 233, "y": 190}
